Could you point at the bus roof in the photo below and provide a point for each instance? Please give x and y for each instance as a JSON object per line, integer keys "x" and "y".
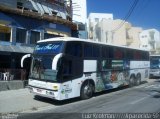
{"x": 83, "y": 40}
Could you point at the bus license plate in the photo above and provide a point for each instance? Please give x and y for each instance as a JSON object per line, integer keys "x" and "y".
{"x": 39, "y": 90}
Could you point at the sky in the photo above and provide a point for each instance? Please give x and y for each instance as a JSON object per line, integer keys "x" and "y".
{"x": 146, "y": 14}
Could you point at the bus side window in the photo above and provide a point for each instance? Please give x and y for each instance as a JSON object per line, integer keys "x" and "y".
{"x": 137, "y": 55}
{"x": 74, "y": 49}
{"x": 111, "y": 52}
{"x": 118, "y": 53}
{"x": 145, "y": 56}
{"x": 129, "y": 54}
{"x": 87, "y": 50}
{"x": 105, "y": 52}
{"x": 96, "y": 51}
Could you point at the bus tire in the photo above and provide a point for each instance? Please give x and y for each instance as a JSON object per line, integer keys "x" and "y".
{"x": 87, "y": 90}
{"x": 138, "y": 79}
{"x": 132, "y": 81}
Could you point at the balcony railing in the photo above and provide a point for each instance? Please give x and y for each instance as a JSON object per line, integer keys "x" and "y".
{"x": 151, "y": 41}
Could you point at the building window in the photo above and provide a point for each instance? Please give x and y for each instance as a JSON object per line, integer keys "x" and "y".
{"x": 20, "y": 35}
{"x": 96, "y": 19}
{"x": 5, "y": 33}
{"x": 19, "y": 5}
{"x": 34, "y": 11}
{"x": 54, "y": 13}
{"x": 35, "y": 36}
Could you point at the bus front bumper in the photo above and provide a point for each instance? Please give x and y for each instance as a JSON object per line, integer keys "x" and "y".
{"x": 42, "y": 92}
{"x": 156, "y": 73}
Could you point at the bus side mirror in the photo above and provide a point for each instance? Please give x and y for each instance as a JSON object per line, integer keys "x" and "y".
{"x": 55, "y": 61}
{"x": 23, "y": 58}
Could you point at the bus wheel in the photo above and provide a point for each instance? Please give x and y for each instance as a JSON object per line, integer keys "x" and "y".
{"x": 86, "y": 90}
{"x": 138, "y": 80}
{"x": 132, "y": 81}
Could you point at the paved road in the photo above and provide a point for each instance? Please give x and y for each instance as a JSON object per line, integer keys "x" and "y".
{"x": 142, "y": 99}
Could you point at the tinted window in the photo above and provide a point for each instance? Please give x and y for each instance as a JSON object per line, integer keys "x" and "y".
{"x": 137, "y": 55}
{"x": 105, "y": 51}
{"x": 129, "y": 54}
{"x": 96, "y": 51}
{"x": 74, "y": 49}
{"x": 71, "y": 68}
{"x": 87, "y": 50}
{"x": 145, "y": 55}
{"x": 111, "y": 52}
{"x": 43, "y": 48}
{"x": 118, "y": 53}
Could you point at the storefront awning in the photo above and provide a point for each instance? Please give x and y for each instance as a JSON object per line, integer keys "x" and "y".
{"x": 54, "y": 32}
{"x": 4, "y": 29}
{"x": 4, "y": 26}
{"x": 18, "y": 49}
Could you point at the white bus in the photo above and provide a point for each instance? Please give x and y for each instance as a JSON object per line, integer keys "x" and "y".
{"x": 154, "y": 66}
{"x": 64, "y": 68}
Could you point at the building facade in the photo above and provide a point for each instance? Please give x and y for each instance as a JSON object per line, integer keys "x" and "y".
{"x": 79, "y": 11}
{"x": 133, "y": 37}
{"x": 150, "y": 40}
{"x": 107, "y": 30}
{"x": 79, "y": 17}
{"x": 93, "y": 20}
{"x": 24, "y": 22}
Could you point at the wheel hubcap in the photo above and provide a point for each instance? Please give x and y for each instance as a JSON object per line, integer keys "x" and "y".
{"x": 88, "y": 90}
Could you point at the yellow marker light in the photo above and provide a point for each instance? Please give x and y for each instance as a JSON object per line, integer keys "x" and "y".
{"x": 55, "y": 87}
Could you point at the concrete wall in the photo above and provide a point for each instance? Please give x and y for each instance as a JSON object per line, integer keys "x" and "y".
{"x": 12, "y": 85}
{"x": 134, "y": 33}
{"x": 93, "y": 20}
{"x": 104, "y": 32}
{"x": 110, "y": 31}
{"x": 149, "y": 39}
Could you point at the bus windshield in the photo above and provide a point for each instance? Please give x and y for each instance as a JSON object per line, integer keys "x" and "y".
{"x": 42, "y": 68}
{"x": 48, "y": 48}
{"x": 155, "y": 63}
{"x": 43, "y": 55}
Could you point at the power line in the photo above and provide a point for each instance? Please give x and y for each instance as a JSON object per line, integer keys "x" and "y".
{"x": 127, "y": 16}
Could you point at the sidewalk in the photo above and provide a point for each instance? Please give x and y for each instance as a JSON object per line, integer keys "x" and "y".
{"x": 13, "y": 101}
{"x": 13, "y": 85}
